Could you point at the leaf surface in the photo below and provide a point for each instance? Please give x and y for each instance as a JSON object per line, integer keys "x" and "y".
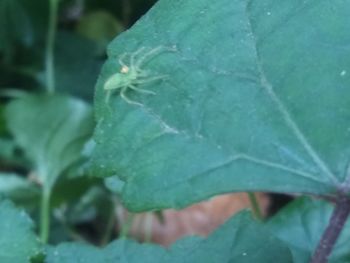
{"x": 300, "y": 226}
{"x": 51, "y": 130}
{"x": 232, "y": 242}
{"x": 17, "y": 240}
{"x": 257, "y": 101}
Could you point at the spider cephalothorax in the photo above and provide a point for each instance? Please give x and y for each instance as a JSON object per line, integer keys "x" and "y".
{"x": 131, "y": 74}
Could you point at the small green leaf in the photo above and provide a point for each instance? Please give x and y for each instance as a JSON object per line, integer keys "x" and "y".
{"x": 17, "y": 240}
{"x": 300, "y": 226}
{"x": 19, "y": 189}
{"x": 51, "y": 130}
{"x": 258, "y": 100}
{"x": 241, "y": 239}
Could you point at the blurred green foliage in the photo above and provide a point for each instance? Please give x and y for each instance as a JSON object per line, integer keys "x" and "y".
{"x": 84, "y": 30}
{"x": 36, "y": 132}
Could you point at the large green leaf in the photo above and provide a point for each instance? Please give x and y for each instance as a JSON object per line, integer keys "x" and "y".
{"x": 257, "y": 98}
{"x": 232, "y": 242}
{"x": 18, "y": 242}
{"x": 118, "y": 251}
{"x": 51, "y": 130}
{"x": 301, "y": 224}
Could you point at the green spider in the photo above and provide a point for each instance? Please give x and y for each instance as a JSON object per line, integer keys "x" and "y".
{"x": 131, "y": 75}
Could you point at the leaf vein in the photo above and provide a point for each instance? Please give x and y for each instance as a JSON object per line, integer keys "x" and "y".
{"x": 285, "y": 113}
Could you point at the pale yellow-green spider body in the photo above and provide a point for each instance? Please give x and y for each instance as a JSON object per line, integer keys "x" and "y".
{"x": 131, "y": 74}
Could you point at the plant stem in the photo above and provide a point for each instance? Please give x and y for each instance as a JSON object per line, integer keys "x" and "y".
{"x": 109, "y": 229}
{"x": 124, "y": 232}
{"x": 329, "y": 238}
{"x": 255, "y": 206}
{"x": 45, "y": 215}
{"x": 50, "y": 44}
{"x": 148, "y": 227}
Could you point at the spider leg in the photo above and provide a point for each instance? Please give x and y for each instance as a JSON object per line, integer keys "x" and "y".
{"x": 108, "y": 96}
{"x": 150, "y": 53}
{"x": 126, "y": 99}
{"x": 134, "y": 55}
{"x": 121, "y": 60}
{"x": 142, "y": 73}
{"x": 150, "y": 79}
{"x": 153, "y": 52}
{"x": 142, "y": 90}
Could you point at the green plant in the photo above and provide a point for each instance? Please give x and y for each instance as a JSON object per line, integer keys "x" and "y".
{"x": 256, "y": 99}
